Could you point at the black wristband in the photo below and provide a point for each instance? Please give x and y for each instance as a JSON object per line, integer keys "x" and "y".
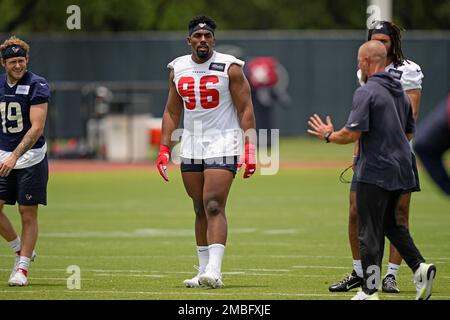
{"x": 327, "y": 136}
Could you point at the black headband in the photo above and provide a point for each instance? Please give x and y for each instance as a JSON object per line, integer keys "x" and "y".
{"x": 13, "y": 51}
{"x": 381, "y": 27}
{"x": 200, "y": 26}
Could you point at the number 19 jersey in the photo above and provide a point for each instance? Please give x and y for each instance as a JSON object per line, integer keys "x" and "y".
{"x": 211, "y": 125}
{"x": 15, "y": 103}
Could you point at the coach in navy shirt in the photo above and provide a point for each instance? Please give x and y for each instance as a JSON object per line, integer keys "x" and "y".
{"x": 382, "y": 119}
{"x": 23, "y": 151}
{"x": 382, "y": 113}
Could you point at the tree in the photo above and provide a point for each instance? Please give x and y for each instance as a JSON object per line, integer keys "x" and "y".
{"x": 153, "y": 15}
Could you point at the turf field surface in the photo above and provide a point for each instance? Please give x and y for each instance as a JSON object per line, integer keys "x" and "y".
{"x": 132, "y": 236}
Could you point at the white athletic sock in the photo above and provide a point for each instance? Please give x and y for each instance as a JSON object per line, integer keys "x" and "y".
{"x": 24, "y": 263}
{"x": 358, "y": 268}
{"x": 203, "y": 257}
{"x": 393, "y": 269}
{"x": 216, "y": 252}
{"x": 15, "y": 244}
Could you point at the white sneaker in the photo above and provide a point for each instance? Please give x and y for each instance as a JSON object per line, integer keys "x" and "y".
{"x": 361, "y": 295}
{"x": 16, "y": 264}
{"x": 423, "y": 278}
{"x": 211, "y": 278}
{"x": 19, "y": 278}
{"x": 193, "y": 282}
{"x": 14, "y": 268}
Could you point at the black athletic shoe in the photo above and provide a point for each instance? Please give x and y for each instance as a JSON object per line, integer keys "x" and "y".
{"x": 350, "y": 282}
{"x": 390, "y": 284}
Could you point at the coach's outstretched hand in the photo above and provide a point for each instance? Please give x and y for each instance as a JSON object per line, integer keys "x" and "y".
{"x": 163, "y": 158}
{"x": 318, "y": 127}
{"x": 249, "y": 158}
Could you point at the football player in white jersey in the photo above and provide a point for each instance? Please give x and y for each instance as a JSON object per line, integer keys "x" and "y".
{"x": 215, "y": 95}
{"x": 410, "y": 76}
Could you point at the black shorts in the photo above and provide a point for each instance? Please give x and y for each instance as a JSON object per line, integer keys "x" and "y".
{"x": 199, "y": 165}
{"x": 26, "y": 186}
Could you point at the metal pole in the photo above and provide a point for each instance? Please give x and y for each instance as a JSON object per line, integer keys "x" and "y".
{"x": 379, "y": 10}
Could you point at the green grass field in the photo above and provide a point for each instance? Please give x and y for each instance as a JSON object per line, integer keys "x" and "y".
{"x": 132, "y": 235}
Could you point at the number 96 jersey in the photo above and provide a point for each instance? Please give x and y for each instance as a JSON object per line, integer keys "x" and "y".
{"x": 211, "y": 125}
{"x": 15, "y": 103}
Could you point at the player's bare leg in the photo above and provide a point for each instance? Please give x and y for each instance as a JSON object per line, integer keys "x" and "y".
{"x": 6, "y": 228}
{"x": 395, "y": 259}
{"x": 215, "y": 193}
{"x": 353, "y": 227}
{"x": 354, "y": 279}
{"x": 28, "y": 216}
{"x": 9, "y": 234}
{"x": 193, "y": 183}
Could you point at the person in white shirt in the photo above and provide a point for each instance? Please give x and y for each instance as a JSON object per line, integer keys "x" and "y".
{"x": 410, "y": 76}
{"x": 215, "y": 95}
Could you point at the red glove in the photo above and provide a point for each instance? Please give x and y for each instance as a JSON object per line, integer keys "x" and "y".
{"x": 163, "y": 158}
{"x": 249, "y": 159}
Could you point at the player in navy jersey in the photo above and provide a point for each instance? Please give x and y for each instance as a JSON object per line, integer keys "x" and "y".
{"x": 23, "y": 151}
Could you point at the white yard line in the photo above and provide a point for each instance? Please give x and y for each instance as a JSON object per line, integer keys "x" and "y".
{"x": 319, "y": 267}
{"x": 235, "y": 271}
{"x": 293, "y": 256}
{"x": 58, "y": 279}
{"x": 135, "y": 233}
{"x": 130, "y": 275}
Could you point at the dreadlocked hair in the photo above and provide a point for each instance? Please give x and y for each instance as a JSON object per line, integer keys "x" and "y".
{"x": 396, "y": 52}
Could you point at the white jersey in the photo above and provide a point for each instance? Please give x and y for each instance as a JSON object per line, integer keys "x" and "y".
{"x": 409, "y": 74}
{"x": 211, "y": 125}
{"x": 28, "y": 159}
